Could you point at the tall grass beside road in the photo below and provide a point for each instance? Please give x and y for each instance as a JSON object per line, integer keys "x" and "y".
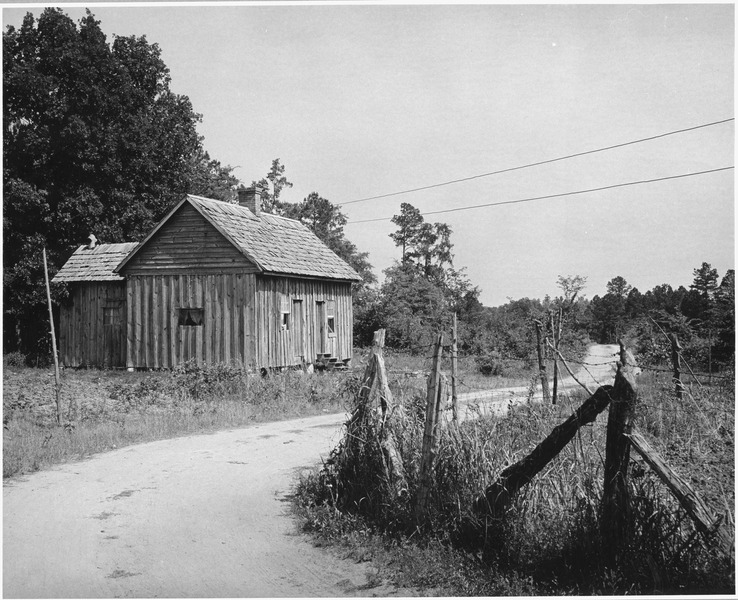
{"x": 117, "y": 408}
{"x": 548, "y": 542}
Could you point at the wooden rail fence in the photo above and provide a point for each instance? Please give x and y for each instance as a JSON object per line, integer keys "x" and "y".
{"x": 375, "y": 398}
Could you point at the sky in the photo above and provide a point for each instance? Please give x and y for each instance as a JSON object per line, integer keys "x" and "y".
{"x": 359, "y": 101}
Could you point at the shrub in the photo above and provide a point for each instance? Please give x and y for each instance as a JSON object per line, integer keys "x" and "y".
{"x": 551, "y": 531}
{"x": 15, "y": 359}
{"x": 491, "y": 364}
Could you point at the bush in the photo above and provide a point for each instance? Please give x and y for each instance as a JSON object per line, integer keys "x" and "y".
{"x": 551, "y": 531}
{"x": 15, "y": 359}
{"x": 491, "y": 364}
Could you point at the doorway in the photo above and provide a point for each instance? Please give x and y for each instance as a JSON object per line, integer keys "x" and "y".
{"x": 298, "y": 331}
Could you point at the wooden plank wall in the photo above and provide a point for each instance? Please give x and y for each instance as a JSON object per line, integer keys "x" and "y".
{"x": 188, "y": 243}
{"x": 84, "y": 339}
{"x": 274, "y": 345}
{"x": 242, "y": 320}
{"x": 156, "y": 340}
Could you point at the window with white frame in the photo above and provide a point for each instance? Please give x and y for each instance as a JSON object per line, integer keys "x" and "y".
{"x": 285, "y": 309}
{"x": 330, "y": 313}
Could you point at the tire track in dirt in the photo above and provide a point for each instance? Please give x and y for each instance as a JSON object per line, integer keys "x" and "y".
{"x": 200, "y": 516}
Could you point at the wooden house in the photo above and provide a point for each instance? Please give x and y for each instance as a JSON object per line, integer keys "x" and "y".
{"x": 215, "y": 282}
{"x": 92, "y": 324}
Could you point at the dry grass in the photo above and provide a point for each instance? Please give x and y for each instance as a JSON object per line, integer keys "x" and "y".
{"x": 118, "y": 408}
{"x": 403, "y": 367}
{"x": 549, "y": 540}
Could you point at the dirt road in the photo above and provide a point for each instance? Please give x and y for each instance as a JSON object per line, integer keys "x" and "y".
{"x": 598, "y": 368}
{"x": 202, "y": 516}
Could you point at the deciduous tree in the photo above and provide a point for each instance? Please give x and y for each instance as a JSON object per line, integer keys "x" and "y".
{"x": 94, "y": 141}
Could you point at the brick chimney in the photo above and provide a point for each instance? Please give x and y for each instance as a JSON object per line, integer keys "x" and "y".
{"x": 251, "y": 199}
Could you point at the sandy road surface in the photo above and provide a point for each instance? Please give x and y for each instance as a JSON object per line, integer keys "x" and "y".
{"x": 202, "y": 516}
{"x": 598, "y": 369}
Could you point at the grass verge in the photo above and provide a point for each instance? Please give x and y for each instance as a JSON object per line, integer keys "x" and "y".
{"x": 548, "y": 542}
{"x": 104, "y": 410}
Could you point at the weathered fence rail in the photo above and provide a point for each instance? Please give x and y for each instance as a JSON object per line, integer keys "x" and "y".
{"x": 707, "y": 524}
{"x": 498, "y": 496}
{"x": 375, "y": 398}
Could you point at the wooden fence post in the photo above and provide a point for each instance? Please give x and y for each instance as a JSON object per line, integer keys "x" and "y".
{"x": 615, "y": 498}
{"x": 676, "y": 353}
{"x": 556, "y": 326}
{"x": 454, "y": 372}
{"x": 541, "y": 365}
{"x": 375, "y": 398}
{"x": 57, "y": 387}
{"x": 432, "y": 411}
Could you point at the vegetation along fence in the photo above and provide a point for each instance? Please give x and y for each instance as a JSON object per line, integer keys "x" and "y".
{"x": 375, "y": 411}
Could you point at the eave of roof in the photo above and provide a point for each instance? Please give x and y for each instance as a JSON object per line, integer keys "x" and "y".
{"x": 94, "y": 264}
{"x": 276, "y": 245}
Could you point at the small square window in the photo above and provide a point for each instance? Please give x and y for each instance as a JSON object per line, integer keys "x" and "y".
{"x": 285, "y": 321}
{"x": 331, "y": 325}
{"x": 111, "y": 315}
{"x": 190, "y": 317}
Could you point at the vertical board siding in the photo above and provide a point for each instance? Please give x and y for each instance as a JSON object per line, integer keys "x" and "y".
{"x": 155, "y": 338}
{"x": 242, "y": 320}
{"x": 84, "y": 339}
{"x": 274, "y": 345}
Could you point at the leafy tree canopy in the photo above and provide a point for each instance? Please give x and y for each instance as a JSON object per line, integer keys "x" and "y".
{"x": 326, "y": 220}
{"x": 424, "y": 245}
{"x": 705, "y": 280}
{"x": 277, "y": 181}
{"x": 94, "y": 141}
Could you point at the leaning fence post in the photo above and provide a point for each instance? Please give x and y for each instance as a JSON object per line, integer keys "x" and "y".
{"x": 615, "y": 497}
{"x": 432, "y": 410}
{"x": 374, "y": 401}
{"x": 676, "y": 351}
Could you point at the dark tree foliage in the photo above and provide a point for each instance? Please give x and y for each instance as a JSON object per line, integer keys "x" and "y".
{"x": 702, "y": 317}
{"x": 277, "y": 181}
{"x": 422, "y": 291}
{"x": 326, "y": 221}
{"x": 725, "y": 318}
{"x": 425, "y": 246}
{"x": 94, "y": 141}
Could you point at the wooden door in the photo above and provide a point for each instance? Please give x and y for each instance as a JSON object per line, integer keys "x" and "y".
{"x": 320, "y": 333}
{"x": 113, "y": 354}
{"x": 298, "y": 331}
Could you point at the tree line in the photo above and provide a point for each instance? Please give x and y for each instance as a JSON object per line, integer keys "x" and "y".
{"x": 95, "y": 141}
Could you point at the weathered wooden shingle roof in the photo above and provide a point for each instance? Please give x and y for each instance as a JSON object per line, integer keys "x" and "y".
{"x": 274, "y": 244}
{"x": 96, "y": 264}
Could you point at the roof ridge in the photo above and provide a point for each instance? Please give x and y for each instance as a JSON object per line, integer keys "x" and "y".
{"x": 273, "y": 243}
{"x": 285, "y": 218}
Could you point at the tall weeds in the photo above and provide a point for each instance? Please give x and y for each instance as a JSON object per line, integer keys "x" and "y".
{"x": 551, "y": 531}
{"x": 119, "y": 408}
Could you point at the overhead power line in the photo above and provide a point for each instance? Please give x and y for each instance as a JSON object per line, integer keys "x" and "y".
{"x": 536, "y": 164}
{"x": 549, "y": 196}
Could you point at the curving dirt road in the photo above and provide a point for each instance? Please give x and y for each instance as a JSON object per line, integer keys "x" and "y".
{"x": 598, "y": 368}
{"x": 202, "y": 516}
